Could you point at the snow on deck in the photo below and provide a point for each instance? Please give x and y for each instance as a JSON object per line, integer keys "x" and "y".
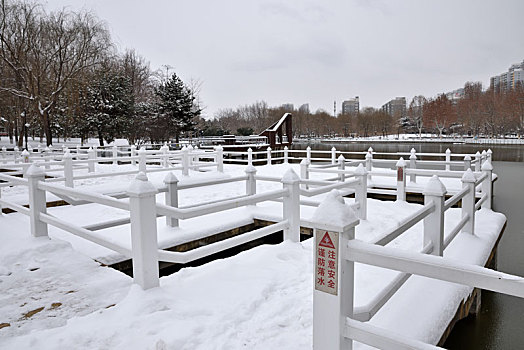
{"x": 258, "y": 299}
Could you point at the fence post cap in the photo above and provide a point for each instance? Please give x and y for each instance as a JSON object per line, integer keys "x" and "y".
{"x": 333, "y": 148}
{"x": 370, "y": 149}
{"x": 269, "y": 148}
{"x": 305, "y": 161}
{"x": 467, "y": 157}
{"x": 489, "y": 151}
{"x": 34, "y": 171}
{"x": 142, "y": 150}
{"x": 25, "y": 153}
{"x": 477, "y": 154}
{"x": 448, "y": 151}
{"x": 484, "y": 152}
{"x": 290, "y": 177}
{"x": 141, "y": 187}
{"x": 170, "y": 178}
{"x": 468, "y": 176}
{"x": 487, "y": 166}
{"x": 308, "y": 148}
{"x": 360, "y": 170}
{"x": 249, "y": 149}
{"x": 334, "y": 214}
{"x": 413, "y": 150}
{"x": 401, "y": 163}
{"x": 434, "y": 187}
{"x": 341, "y": 158}
{"x": 250, "y": 169}
{"x": 286, "y": 148}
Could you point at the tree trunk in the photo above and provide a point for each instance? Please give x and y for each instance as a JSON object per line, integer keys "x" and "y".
{"x": 46, "y": 123}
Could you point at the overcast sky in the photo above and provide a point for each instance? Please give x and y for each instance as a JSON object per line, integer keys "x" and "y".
{"x": 318, "y": 51}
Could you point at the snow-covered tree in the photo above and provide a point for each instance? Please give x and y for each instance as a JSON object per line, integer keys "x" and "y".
{"x": 109, "y": 105}
{"x": 175, "y": 102}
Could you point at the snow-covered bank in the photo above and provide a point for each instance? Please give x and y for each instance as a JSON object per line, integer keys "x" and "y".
{"x": 259, "y": 299}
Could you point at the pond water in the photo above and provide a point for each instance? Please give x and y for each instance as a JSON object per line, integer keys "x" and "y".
{"x": 499, "y": 323}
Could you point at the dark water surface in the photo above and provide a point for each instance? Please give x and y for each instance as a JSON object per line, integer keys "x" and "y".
{"x": 500, "y": 324}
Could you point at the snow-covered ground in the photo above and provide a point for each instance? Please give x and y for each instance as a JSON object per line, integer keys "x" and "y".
{"x": 54, "y": 295}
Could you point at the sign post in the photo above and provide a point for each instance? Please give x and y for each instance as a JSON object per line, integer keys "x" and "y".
{"x": 335, "y": 225}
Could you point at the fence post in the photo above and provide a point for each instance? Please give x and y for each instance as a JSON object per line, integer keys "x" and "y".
{"x": 489, "y": 154}
{"x": 448, "y": 159}
{"x": 483, "y": 157}
{"x": 25, "y": 161}
{"x": 185, "y": 161}
{"x": 487, "y": 184}
{"x": 68, "y": 168}
{"x": 91, "y": 160}
{"x": 47, "y": 154}
{"x": 171, "y": 197}
{"x": 467, "y": 162}
{"x": 291, "y": 205}
{"x": 361, "y": 192}
{"x": 164, "y": 149}
{"x": 333, "y": 156}
{"x": 190, "y": 156}
{"x": 434, "y": 192}
{"x": 249, "y": 157}
{"x": 468, "y": 202}
{"x": 369, "y": 162}
{"x": 251, "y": 182}
{"x": 333, "y": 294}
{"x": 308, "y": 154}
{"x": 477, "y": 161}
{"x": 220, "y": 158}
{"x": 144, "y": 242}
{"x": 268, "y": 156}
{"x": 115, "y": 155}
{"x": 16, "y": 154}
{"x": 304, "y": 171}
{"x": 286, "y": 155}
{"x": 133, "y": 154}
{"x": 37, "y": 200}
{"x": 413, "y": 165}
{"x": 341, "y": 166}
{"x": 401, "y": 179}
{"x": 142, "y": 164}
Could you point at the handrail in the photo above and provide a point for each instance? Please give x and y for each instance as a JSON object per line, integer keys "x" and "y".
{"x": 481, "y": 201}
{"x": 455, "y": 198}
{"x": 324, "y": 189}
{"x": 205, "y": 209}
{"x": 434, "y": 267}
{"x": 456, "y": 230}
{"x": 405, "y": 224}
{"x": 14, "y": 179}
{"x": 82, "y": 194}
{"x": 480, "y": 179}
{"x": 85, "y": 234}
{"x": 200, "y": 252}
{"x": 16, "y": 207}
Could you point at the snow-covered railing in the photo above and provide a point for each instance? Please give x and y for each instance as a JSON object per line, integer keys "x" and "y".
{"x": 68, "y": 162}
{"x": 336, "y": 322}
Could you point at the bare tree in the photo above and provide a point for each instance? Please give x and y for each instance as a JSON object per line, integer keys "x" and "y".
{"x": 45, "y": 52}
{"x": 416, "y": 112}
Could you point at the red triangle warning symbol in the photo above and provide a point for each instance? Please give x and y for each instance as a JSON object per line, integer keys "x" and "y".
{"x": 326, "y": 242}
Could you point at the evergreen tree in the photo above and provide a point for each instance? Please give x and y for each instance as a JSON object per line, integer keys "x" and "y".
{"x": 109, "y": 106}
{"x": 176, "y": 104}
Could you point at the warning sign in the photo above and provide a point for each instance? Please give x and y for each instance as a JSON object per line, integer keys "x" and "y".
{"x": 326, "y": 262}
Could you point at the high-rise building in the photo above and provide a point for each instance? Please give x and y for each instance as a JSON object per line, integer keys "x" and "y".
{"x": 304, "y": 108}
{"x": 455, "y": 95}
{"x": 396, "y": 107}
{"x": 508, "y": 80}
{"x": 351, "y": 106}
{"x": 288, "y": 106}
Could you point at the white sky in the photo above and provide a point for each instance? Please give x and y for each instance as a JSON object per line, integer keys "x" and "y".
{"x": 318, "y": 51}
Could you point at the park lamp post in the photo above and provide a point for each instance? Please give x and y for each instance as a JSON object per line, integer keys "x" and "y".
{"x": 26, "y": 126}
